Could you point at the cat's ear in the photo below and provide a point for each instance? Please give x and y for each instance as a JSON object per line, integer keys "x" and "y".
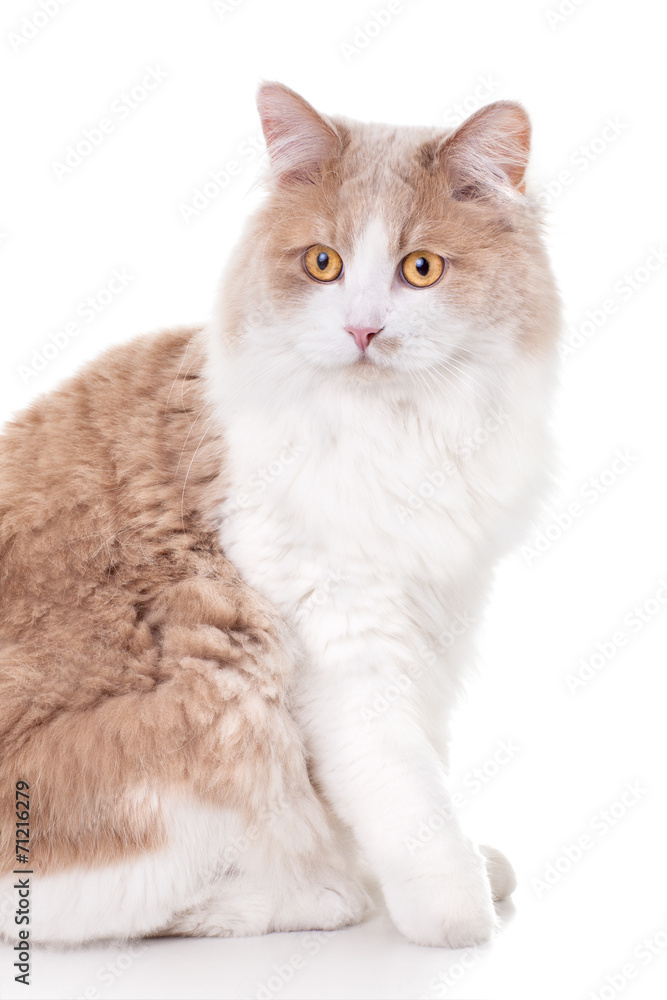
{"x": 489, "y": 151}
{"x": 298, "y": 138}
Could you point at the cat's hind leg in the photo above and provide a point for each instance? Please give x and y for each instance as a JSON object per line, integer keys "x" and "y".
{"x": 213, "y": 876}
{"x": 133, "y": 896}
{"x": 292, "y": 870}
{"x": 164, "y": 748}
{"x": 245, "y": 906}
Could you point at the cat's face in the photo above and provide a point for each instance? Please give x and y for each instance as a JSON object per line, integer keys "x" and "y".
{"x": 383, "y": 252}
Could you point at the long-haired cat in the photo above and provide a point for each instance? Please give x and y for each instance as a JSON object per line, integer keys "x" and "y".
{"x": 238, "y": 564}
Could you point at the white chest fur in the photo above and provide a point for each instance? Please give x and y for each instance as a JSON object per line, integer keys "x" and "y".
{"x": 359, "y": 509}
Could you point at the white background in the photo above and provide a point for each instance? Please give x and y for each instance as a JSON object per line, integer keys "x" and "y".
{"x": 122, "y": 208}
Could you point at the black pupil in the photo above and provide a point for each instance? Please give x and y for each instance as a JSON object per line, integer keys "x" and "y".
{"x": 422, "y": 266}
{"x": 322, "y": 260}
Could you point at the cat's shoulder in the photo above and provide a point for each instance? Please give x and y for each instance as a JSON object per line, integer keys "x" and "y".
{"x": 144, "y": 369}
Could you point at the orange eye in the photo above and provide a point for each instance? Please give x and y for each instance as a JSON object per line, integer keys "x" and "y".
{"x": 322, "y": 263}
{"x": 422, "y": 268}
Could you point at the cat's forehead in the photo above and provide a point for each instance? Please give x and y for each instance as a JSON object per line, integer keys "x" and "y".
{"x": 382, "y": 179}
{"x": 377, "y": 156}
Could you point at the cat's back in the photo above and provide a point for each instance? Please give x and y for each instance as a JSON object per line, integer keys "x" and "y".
{"x": 99, "y": 484}
{"x": 111, "y": 408}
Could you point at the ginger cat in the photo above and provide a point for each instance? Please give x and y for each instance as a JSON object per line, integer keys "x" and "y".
{"x": 221, "y": 549}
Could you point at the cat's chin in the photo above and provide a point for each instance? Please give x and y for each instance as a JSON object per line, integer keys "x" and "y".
{"x": 364, "y": 369}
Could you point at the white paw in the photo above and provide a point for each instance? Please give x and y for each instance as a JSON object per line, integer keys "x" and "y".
{"x": 452, "y": 909}
{"x": 341, "y": 906}
{"x": 338, "y": 902}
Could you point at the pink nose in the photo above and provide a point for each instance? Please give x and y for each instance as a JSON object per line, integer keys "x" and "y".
{"x": 362, "y": 335}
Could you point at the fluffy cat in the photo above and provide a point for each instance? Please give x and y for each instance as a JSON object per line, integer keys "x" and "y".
{"x": 238, "y": 565}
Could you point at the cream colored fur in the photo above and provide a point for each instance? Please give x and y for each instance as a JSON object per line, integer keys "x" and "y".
{"x": 222, "y": 549}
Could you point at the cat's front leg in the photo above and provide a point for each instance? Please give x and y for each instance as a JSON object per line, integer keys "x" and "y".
{"x": 386, "y": 780}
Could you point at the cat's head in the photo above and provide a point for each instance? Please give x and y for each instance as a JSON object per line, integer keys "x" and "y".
{"x": 384, "y": 252}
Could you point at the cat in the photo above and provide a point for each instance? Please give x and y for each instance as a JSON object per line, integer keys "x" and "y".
{"x": 241, "y": 563}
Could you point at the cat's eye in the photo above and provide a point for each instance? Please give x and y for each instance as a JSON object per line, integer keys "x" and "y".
{"x": 422, "y": 268}
{"x": 322, "y": 263}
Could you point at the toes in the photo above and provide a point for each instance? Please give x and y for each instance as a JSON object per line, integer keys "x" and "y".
{"x": 451, "y": 911}
{"x": 343, "y": 906}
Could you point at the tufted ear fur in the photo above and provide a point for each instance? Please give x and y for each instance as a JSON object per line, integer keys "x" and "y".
{"x": 298, "y": 138}
{"x": 489, "y": 151}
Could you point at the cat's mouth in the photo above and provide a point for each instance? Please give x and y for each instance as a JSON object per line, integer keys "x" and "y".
{"x": 366, "y": 368}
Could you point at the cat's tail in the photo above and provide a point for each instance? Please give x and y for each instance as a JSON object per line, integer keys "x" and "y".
{"x": 500, "y": 872}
